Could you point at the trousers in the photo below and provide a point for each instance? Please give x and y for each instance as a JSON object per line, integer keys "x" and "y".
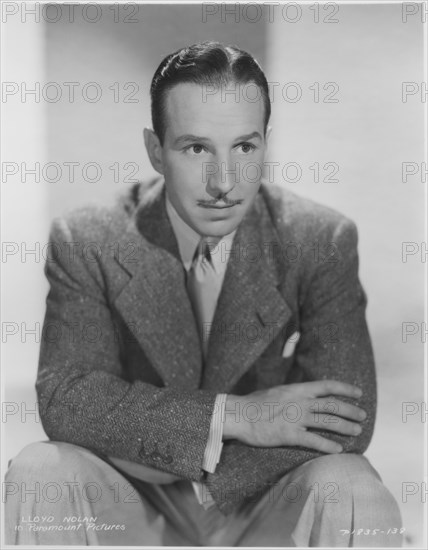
{"x": 57, "y": 494}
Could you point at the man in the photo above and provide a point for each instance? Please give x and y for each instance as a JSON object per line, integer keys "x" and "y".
{"x": 206, "y": 375}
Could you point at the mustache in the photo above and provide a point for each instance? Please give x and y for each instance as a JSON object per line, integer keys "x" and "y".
{"x": 223, "y": 200}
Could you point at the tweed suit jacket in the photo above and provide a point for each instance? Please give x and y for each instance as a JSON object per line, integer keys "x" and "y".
{"x": 120, "y": 368}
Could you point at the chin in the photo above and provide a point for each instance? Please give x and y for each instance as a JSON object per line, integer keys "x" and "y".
{"x": 219, "y": 228}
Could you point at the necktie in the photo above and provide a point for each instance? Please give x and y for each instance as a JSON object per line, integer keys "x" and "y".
{"x": 203, "y": 286}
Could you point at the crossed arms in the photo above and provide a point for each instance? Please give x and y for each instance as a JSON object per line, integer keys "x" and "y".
{"x": 84, "y": 399}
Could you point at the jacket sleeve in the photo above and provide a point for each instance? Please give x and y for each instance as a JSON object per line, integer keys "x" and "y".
{"x": 83, "y": 399}
{"x": 334, "y": 344}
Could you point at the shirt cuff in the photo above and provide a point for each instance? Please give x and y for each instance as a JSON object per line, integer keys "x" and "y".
{"x": 215, "y": 444}
{"x": 212, "y": 450}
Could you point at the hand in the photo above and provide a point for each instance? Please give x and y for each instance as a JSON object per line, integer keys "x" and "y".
{"x": 281, "y": 415}
{"x": 145, "y": 473}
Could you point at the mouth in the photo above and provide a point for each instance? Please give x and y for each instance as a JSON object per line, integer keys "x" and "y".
{"x": 219, "y": 205}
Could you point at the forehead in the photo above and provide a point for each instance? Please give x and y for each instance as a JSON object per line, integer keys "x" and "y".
{"x": 208, "y": 110}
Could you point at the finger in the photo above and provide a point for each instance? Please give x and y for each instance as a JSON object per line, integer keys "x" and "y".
{"x": 334, "y": 424}
{"x": 315, "y": 441}
{"x": 319, "y": 388}
{"x": 336, "y": 407}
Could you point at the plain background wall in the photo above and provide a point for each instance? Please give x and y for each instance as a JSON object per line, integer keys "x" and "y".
{"x": 25, "y": 221}
{"x": 369, "y": 52}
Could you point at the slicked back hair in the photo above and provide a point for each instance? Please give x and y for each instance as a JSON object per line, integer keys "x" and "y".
{"x": 207, "y": 64}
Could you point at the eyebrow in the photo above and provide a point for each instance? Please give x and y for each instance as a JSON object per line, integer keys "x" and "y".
{"x": 190, "y": 138}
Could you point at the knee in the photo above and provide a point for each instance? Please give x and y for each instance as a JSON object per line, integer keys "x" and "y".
{"x": 349, "y": 478}
{"x": 342, "y": 470}
{"x": 46, "y": 460}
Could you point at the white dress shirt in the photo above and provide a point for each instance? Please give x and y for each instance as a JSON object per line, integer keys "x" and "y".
{"x": 188, "y": 240}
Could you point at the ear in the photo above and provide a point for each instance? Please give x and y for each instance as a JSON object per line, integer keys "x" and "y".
{"x": 154, "y": 149}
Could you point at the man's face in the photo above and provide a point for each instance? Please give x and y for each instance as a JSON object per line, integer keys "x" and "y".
{"x": 212, "y": 155}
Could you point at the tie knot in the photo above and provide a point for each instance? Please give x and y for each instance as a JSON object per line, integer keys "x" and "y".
{"x": 203, "y": 250}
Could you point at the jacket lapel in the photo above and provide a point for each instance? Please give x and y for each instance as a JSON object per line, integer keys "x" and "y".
{"x": 251, "y": 310}
{"x": 154, "y": 301}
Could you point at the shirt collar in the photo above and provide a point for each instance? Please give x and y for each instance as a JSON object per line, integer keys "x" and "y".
{"x": 188, "y": 240}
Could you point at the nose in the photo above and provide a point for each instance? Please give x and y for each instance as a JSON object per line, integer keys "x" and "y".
{"x": 222, "y": 176}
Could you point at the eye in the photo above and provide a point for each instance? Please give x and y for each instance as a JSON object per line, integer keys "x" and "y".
{"x": 195, "y": 149}
{"x": 247, "y": 147}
